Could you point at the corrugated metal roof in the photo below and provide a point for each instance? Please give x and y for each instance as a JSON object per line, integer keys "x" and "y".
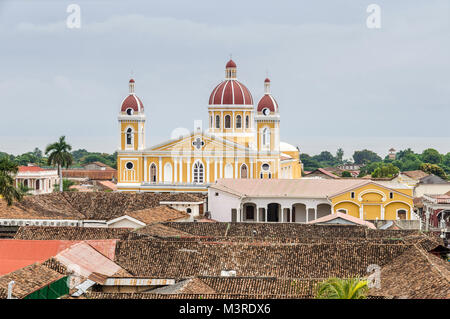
{"x": 16, "y": 253}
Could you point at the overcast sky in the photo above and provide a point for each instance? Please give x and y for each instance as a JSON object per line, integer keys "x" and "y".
{"x": 337, "y": 82}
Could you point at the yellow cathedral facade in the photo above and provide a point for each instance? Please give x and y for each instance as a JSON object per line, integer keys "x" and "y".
{"x": 240, "y": 142}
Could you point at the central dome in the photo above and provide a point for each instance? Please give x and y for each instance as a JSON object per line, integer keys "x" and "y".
{"x": 230, "y": 91}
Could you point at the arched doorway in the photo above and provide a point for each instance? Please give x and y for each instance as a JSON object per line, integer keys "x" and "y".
{"x": 299, "y": 213}
{"x": 249, "y": 212}
{"x": 323, "y": 210}
{"x": 273, "y": 212}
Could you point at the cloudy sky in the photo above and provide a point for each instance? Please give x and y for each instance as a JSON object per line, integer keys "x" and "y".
{"x": 338, "y": 83}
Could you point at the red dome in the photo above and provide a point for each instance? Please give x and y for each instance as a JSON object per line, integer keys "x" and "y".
{"x": 133, "y": 102}
{"x": 131, "y": 80}
{"x": 267, "y": 101}
{"x": 230, "y": 64}
{"x": 231, "y": 92}
{"x": 267, "y": 80}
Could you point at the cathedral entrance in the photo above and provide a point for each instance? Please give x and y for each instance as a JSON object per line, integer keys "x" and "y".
{"x": 273, "y": 210}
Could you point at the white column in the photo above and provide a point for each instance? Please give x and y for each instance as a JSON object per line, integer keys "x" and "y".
{"x": 221, "y": 168}
{"x": 382, "y": 212}
{"x": 175, "y": 170}
{"x": 265, "y": 213}
{"x": 181, "y": 169}
{"x": 160, "y": 168}
{"x": 189, "y": 171}
{"x": 207, "y": 171}
{"x": 251, "y": 168}
{"x": 236, "y": 168}
{"x": 233, "y": 122}
{"x": 361, "y": 212}
{"x": 145, "y": 169}
{"x": 307, "y": 214}
{"x": 282, "y": 214}
{"x": 215, "y": 169}
{"x": 257, "y": 214}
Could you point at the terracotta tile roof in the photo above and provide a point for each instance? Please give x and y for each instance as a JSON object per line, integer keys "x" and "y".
{"x": 325, "y": 172}
{"x": 107, "y": 185}
{"x": 83, "y": 205}
{"x": 347, "y": 217}
{"x": 188, "y": 286}
{"x": 98, "y": 164}
{"x": 102, "y": 295}
{"x": 415, "y": 274}
{"x": 93, "y": 174}
{"x": 417, "y": 174}
{"x": 162, "y": 213}
{"x": 163, "y": 259}
{"x": 70, "y": 233}
{"x": 29, "y": 279}
{"x": 262, "y": 286}
{"x": 30, "y": 169}
{"x": 160, "y": 230}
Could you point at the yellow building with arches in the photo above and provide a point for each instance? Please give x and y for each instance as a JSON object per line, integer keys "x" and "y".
{"x": 306, "y": 200}
{"x": 241, "y": 142}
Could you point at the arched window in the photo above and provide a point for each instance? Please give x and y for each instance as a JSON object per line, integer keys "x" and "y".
{"x": 247, "y": 122}
{"x": 168, "y": 173}
{"x": 244, "y": 171}
{"x": 153, "y": 173}
{"x": 266, "y": 137}
{"x": 129, "y": 136}
{"x": 217, "y": 121}
{"x": 227, "y": 121}
{"x": 198, "y": 172}
{"x": 401, "y": 214}
{"x": 228, "y": 171}
{"x": 238, "y": 121}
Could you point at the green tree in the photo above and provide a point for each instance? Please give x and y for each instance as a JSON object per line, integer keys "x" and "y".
{"x": 365, "y": 156}
{"x": 66, "y": 185}
{"x": 433, "y": 169}
{"x": 346, "y": 174}
{"x": 336, "y": 288}
{"x": 59, "y": 155}
{"x": 384, "y": 171}
{"x": 7, "y": 190}
{"x": 339, "y": 155}
{"x": 431, "y": 156}
{"x": 309, "y": 163}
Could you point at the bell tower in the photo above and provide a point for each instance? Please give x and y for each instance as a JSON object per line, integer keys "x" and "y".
{"x": 132, "y": 122}
{"x": 268, "y": 122}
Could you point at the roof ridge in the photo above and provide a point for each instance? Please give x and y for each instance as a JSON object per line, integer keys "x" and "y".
{"x": 434, "y": 266}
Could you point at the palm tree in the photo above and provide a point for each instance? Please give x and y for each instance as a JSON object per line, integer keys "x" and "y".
{"x": 7, "y": 190}
{"x": 59, "y": 155}
{"x": 336, "y": 288}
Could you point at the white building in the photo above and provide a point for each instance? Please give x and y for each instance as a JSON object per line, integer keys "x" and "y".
{"x": 37, "y": 179}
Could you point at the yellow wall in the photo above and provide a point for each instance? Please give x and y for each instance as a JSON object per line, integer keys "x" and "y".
{"x": 374, "y": 199}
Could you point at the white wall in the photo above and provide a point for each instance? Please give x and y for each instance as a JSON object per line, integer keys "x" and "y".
{"x": 431, "y": 189}
{"x": 220, "y": 206}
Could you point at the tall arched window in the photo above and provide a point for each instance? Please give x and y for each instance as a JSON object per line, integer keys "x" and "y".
{"x": 266, "y": 137}
{"x": 198, "y": 173}
{"x": 168, "y": 173}
{"x": 238, "y": 121}
{"x": 153, "y": 173}
{"x": 247, "y": 122}
{"x": 217, "y": 121}
{"x": 244, "y": 171}
{"x": 227, "y": 121}
{"x": 129, "y": 136}
{"x": 228, "y": 171}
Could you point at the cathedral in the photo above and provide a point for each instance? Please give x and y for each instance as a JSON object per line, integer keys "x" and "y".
{"x": 240, "y": 142}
